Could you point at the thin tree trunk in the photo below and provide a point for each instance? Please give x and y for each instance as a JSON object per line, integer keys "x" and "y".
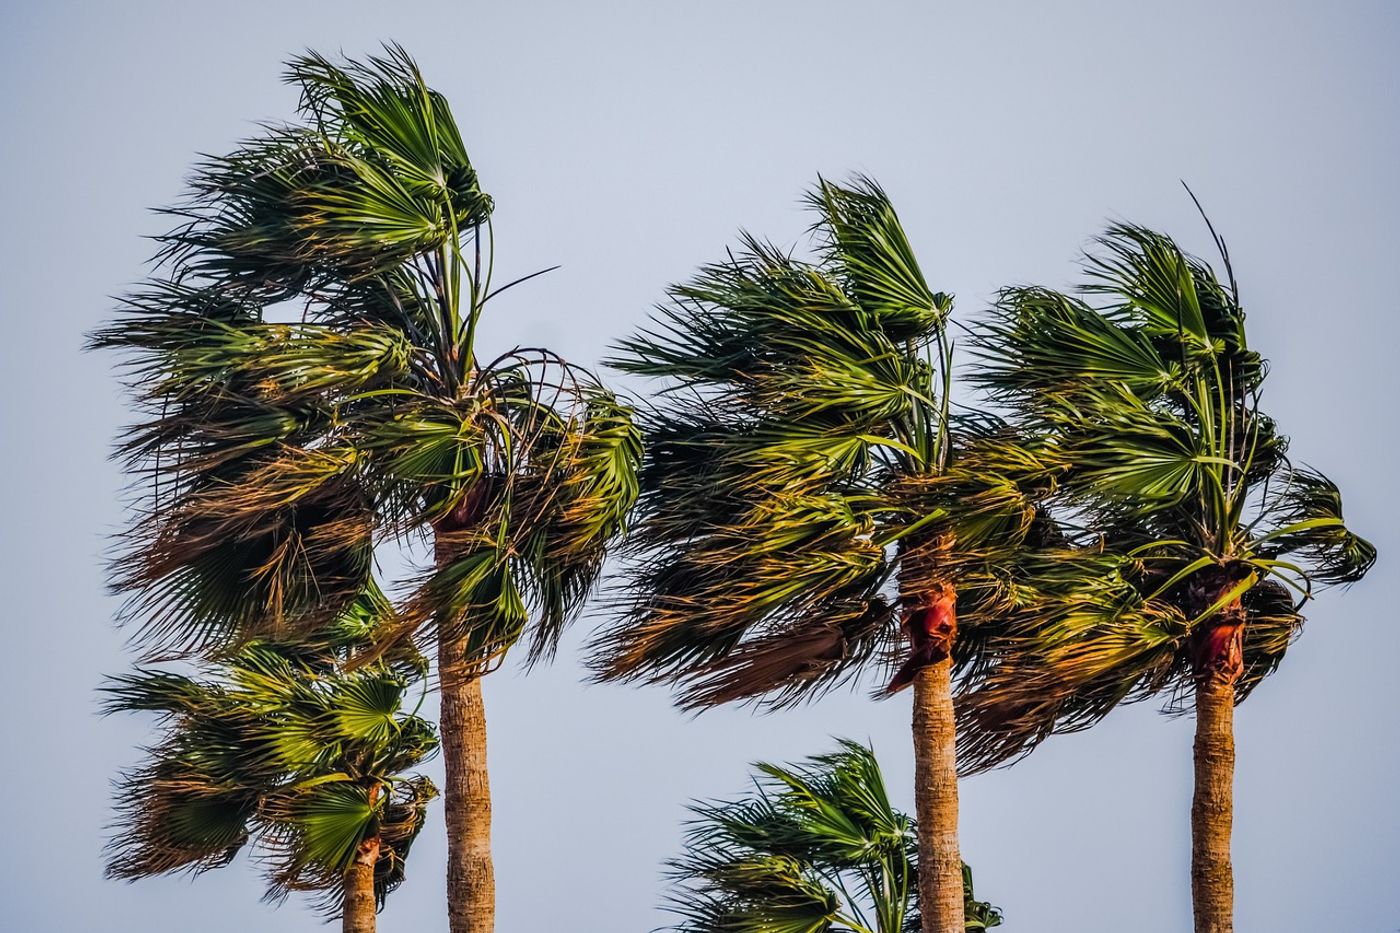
{"x": 1219, "y": 663}
{"x": 358, "y": 909}
{"x": 1212, "y": 880}
{"x": 936, "y": 800}
{"x": 466, "y": 798}
{"x": 471, "y": 879}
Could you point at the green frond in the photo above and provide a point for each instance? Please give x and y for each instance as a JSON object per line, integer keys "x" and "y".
{"x": 793, "y": 388}
{"x": 1146, "y": 460}
{"x": 375, "y": 176}
{"x": 1069, "y": 662}
{"x": 179, "y": 354}
{"x": 281, "y": 551}
{"x": 382, "y": 106}
{"x": 780, "y": 600}
{"x": 152, "y": 691}
{"x": 239, "y": 223}
{"x": 780, "y": 337}
{"x": 331, "y": 818}
{"x": 860, "y": 234}
{"x": 323, "y": 825}
{"x": 1040, "y": 345}
{"x": 1169, "y": 294}
{"x": 476, "y": 594}
{"x": 364, "y": 707}
{"x": 171, "y": 818}
{"x": 1306, "y": 518}
{"x": 573, "y": 509}
{"x": 1149, "y": 402}
{"x": 1076, "y": 638}
{"x": 1154, "y": 277}
{"x": 280, "y": 743}
{"x": 816, "y": 847}
{"x": 426, "y": 456}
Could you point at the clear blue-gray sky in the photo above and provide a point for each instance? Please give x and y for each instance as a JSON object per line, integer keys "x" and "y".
{"x": 628, "y": 141}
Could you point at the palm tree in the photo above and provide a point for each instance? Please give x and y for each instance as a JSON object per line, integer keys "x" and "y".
{"x": 307, "y": 357}
{"x": 281, "y": 744}
{"x": 1148, "y": 394}
{"x": 801, "y": 465}
{"x": 816, "y": 847}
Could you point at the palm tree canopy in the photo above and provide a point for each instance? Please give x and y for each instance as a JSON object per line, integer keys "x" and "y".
{"x": 306, "y": 357}
{"x": 816, "y": 847}
{"x": 799, "y": 457}
{"x": 1145, "y": 393}
{"x": 282, "y": 745}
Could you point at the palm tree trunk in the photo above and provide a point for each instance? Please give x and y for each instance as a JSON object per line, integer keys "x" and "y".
{"x": 357, "y": 913}
{"x": 933, "y": 630}
{"x": 1219, "y": 664}
{"x": 936, "y": 800}
{"x": 466, "y": 798}
{"x": 471, "y": 879}
{"x": 1212, "y": 881}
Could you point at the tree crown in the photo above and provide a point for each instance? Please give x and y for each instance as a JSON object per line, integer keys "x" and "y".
{"x": 282, "y": 744}
{"x": 306, "y": 355}
{"x": 1145, "y": 395}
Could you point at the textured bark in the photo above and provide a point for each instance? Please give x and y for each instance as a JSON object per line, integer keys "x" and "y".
{"x": 1212, "y": 807}
{"x": 1219, "y": 664}
{"x": 466, "y": 798}
{"x": 358, "y": 910}
{"x": 471, "y": 879}
{"x": 936, "y": 800}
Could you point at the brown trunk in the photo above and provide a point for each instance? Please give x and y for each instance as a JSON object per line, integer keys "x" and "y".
{"x": 1212, "y": 881}
{"x": 936, "y": 771}
{"x": 471, "y": 880}
{"x": 358, "y": 910}
{"x": 466, "y": 798}
{"x": 1219, "y": 663}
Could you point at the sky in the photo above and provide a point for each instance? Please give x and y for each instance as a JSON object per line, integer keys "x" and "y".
{"x": 628, "y": 142}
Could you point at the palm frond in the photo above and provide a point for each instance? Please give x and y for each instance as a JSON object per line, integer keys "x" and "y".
{"x": 817, "y": 846}
{"x": 383, "y": 106}
{"x": 572, "y": 509}
{"x": 275, "y": 455}
{"x": 1306, "y": 519}
{"x": 375, "y": 177}
{"x": 860, "y": 234}
{"x": 760, "y": 548}
{"x": 281, "y": 744}
{"x": 1040, "y": 347}
{"x": 1150, "y": 404}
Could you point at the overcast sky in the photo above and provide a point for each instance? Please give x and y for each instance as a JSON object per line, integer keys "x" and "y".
{"x": 629, "y": 142}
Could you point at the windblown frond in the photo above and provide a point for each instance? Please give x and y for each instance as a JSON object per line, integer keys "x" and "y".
{"x": 278, "y": 744}
{"x": 1150, "y": 403}
{"x": 1306, "y": 524}
{"x": 817, "y": 847}
{"x": 860, "y": 235}
{"x": 764, "y": 550}
{"x": 277, "y": 453}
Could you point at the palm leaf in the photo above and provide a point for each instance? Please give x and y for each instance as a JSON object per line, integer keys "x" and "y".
{"x": 816, "y": 846}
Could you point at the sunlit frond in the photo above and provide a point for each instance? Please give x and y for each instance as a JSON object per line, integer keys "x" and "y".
{"x": 816, "y": 847}
{"x": 1150, "y": 404}
{"x": 761, "y": 553}
{"x": 278, "y": 743}
{"x": 307, "y": 364}
{"x": 861, "y": 235}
